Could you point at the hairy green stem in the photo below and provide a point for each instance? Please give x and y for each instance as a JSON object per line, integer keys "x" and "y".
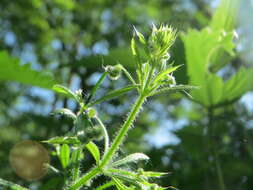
{"x": 123, "y": 131}
{"x": 214, "y": 151}
{"x": 115, "y": 145}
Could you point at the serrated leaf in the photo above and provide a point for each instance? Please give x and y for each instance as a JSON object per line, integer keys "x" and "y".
{"x": 202, "y": 52}
{"x": 64, "y": 91}
{"x": 63, "y": 140}
{"x": 64, "y": 155}
{"x": 130, "y": 158}
{"x": 66, "y": 112}
{"x": 93, "y": 149}
{"x": 113, "y": 94}
{"x": 238, "y": 84}
{"x": 12, "y": 70}
{"x": 225, "y": 15}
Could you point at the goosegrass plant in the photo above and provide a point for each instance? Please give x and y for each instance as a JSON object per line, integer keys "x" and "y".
{"x": 154, "y": 76}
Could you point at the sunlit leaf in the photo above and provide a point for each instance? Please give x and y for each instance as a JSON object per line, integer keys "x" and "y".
{"x": 130, "y": 158}
{"x": 93, "y": 149}
{"x": 64, "y": 91}
{"x": 113, "y": 94}
{"x": 225, "y": 15}
{"x": 65, "y": 112}
{"x": 63, "y": 140}
{"x": 64, "y": 155}
{"x": 153, "y": 174}
{"x": 12, "y": 70}
{"x": 164, "y": 73}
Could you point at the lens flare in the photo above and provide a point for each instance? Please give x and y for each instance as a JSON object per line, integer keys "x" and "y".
{"x": 28, "y": 159}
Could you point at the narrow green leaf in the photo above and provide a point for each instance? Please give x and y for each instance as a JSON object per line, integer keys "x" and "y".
{"x": 76, "y": 155}
{"x": 130, "y": 158}
{"x": 66, "y": 112}
{"x": 97, "y": 85}
{"x": 93, "y": 149}
{"x": 64, "y": 91}
{"x": 106, "y": 185}
{"x": 113, "y": 94}
{"x": 52, "y": 168}
{"x": 165, "y": 72}
{"x": 124, "y": 175}
{"x": 173, "y": 88}
{"x": 140, "y": 36}
{"x": 63, "y": 140}
{"x": 133, "y": 47}
{"x": 64, "y": 155}
{"x": 119, "y": 184}
{"x": 153, "y": 174}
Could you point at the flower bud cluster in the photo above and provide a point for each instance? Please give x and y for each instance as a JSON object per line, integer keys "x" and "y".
{"x": 161, "y": 39}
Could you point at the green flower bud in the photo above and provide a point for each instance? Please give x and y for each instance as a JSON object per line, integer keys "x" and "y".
{"x": 161, "y": 40}
{"x": 114, "y": 71}
{"x": 171, "y": 80}
{"x": 91, "y": 112}
{"x": 79, "y": 94}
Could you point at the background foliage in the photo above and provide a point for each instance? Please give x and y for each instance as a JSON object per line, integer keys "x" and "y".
{"x": 69, "y": 41}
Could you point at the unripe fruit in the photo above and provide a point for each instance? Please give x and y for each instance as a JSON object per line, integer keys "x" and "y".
{"x": 114, "y": 71}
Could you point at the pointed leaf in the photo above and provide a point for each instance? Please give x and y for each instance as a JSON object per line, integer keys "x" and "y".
{"x": 119, "y": 184}
{"x": 113, "y": 94}
{"x": 63, "y": 140}
{"x": 106, "y": 185}
{"x": 64, "y": 91}
{"x": 130, "y": 158}
{"x": 66, "y": 112}
{"x": 93, "y": 149}
{"x": 173, "y": 89}
{"x": 153, "y": 174}
{"x": 140, "y": 36}
{"x": 165, "y": 73}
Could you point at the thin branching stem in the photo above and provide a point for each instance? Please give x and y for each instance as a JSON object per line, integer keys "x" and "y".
{"x": 106, "y": 136}
{"x": 115, "y": 145}
{"x": 214, "y": 150}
